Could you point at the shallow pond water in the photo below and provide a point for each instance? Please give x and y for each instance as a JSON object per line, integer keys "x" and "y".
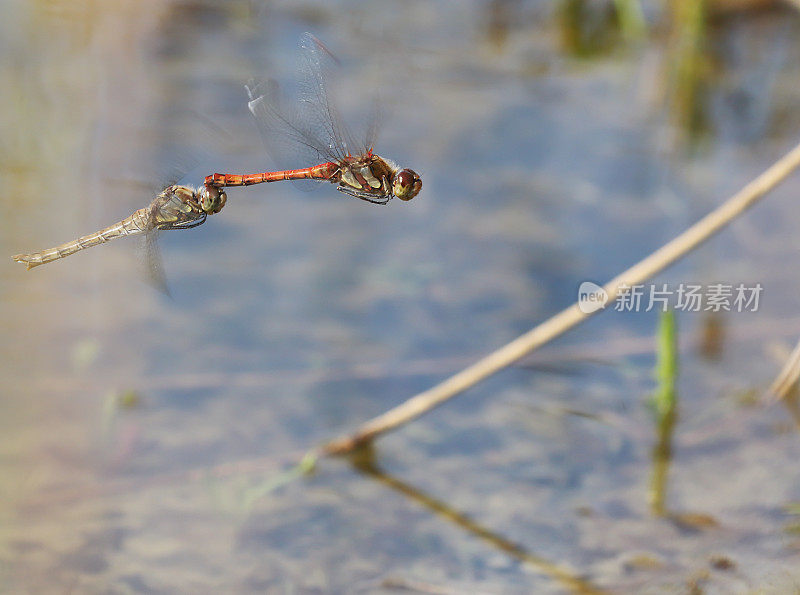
{"x": 146, "y": 438}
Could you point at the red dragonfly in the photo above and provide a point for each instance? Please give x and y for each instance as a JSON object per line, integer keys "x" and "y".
{"x": 315, "y": 132}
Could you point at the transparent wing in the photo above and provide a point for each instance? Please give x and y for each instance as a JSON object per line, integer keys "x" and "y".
{"x": 154, "y": 264}
{"x": 322, "y": 87}
{"x": 290, "y": 141}
{"x": 311, "y": 129}
{"x": 318, "y": 67}
{"x": 150, "y": 254}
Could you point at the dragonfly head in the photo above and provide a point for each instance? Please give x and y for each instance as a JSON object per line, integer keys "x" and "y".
{"x": 406, "y": 184}
{"x": 212, "y": 199}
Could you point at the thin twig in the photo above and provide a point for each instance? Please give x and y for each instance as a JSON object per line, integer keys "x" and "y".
{"x": 786, "y": 378}
{"x": 568, "y": 318}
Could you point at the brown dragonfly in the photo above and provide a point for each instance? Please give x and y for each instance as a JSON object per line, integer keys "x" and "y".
{"x": 175, "y": 207}
{"x": 315, "y": 134}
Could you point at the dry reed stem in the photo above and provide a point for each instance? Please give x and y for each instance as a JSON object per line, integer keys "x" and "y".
{"x": 786, "y": 378}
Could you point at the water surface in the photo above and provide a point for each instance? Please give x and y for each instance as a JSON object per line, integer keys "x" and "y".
{"x": 141, "y": 433}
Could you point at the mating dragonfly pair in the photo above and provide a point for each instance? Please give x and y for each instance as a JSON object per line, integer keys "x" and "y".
{"x": 318, "y": 135}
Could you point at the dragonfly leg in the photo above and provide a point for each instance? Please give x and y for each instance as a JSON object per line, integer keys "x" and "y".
{"x": 374, "y": 199}
{"x": 184, "y": 224}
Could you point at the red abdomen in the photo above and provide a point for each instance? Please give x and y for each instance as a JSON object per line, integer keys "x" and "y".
{"x": 323, "y": 171}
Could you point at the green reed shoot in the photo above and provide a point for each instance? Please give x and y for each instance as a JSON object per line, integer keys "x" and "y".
{"x": 664, "y": 402}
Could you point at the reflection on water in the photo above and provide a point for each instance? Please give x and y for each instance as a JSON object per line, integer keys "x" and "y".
{"x": 296, "y": 316}
{"x": 364, "y": 461}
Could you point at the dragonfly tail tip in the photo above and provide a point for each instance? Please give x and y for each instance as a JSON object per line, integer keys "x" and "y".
{"x": 22, "y": 258}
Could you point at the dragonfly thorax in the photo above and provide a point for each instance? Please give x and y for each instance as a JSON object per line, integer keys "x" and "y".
{"x": 375, "y": 179}
{"x": 182, "y": 207}
{"x": 369, "y": 174}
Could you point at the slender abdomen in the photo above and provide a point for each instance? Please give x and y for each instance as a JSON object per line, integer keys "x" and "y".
{"x": 323, "y": 171}
{"x": 136, "y": 223}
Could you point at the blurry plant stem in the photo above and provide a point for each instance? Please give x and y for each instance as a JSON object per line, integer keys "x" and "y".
{"x": 253, "y": 494}
{"x": 786, "y": 379}
{"x": 586, "y": 26}
{"x": 662, "y": 456}
{"x": 666, "y": 371}
{"x": 689, "y": 63}
{"x": 631, "y": 19}
{"x": 664, "y": 402}
{"x": 570, "y": 317}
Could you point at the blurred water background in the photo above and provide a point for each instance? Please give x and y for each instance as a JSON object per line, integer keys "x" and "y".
{"x": 558, "y": 142}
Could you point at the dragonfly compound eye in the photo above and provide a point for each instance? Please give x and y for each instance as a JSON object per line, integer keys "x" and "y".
{"x": 406, "y": 185}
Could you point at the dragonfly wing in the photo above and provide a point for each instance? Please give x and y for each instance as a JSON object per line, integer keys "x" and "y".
{"x": 321, "y": 84}
{"x": 154, "y": 263}
{"x": 151, "y": 257}
{"x": 289, "y": 139}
